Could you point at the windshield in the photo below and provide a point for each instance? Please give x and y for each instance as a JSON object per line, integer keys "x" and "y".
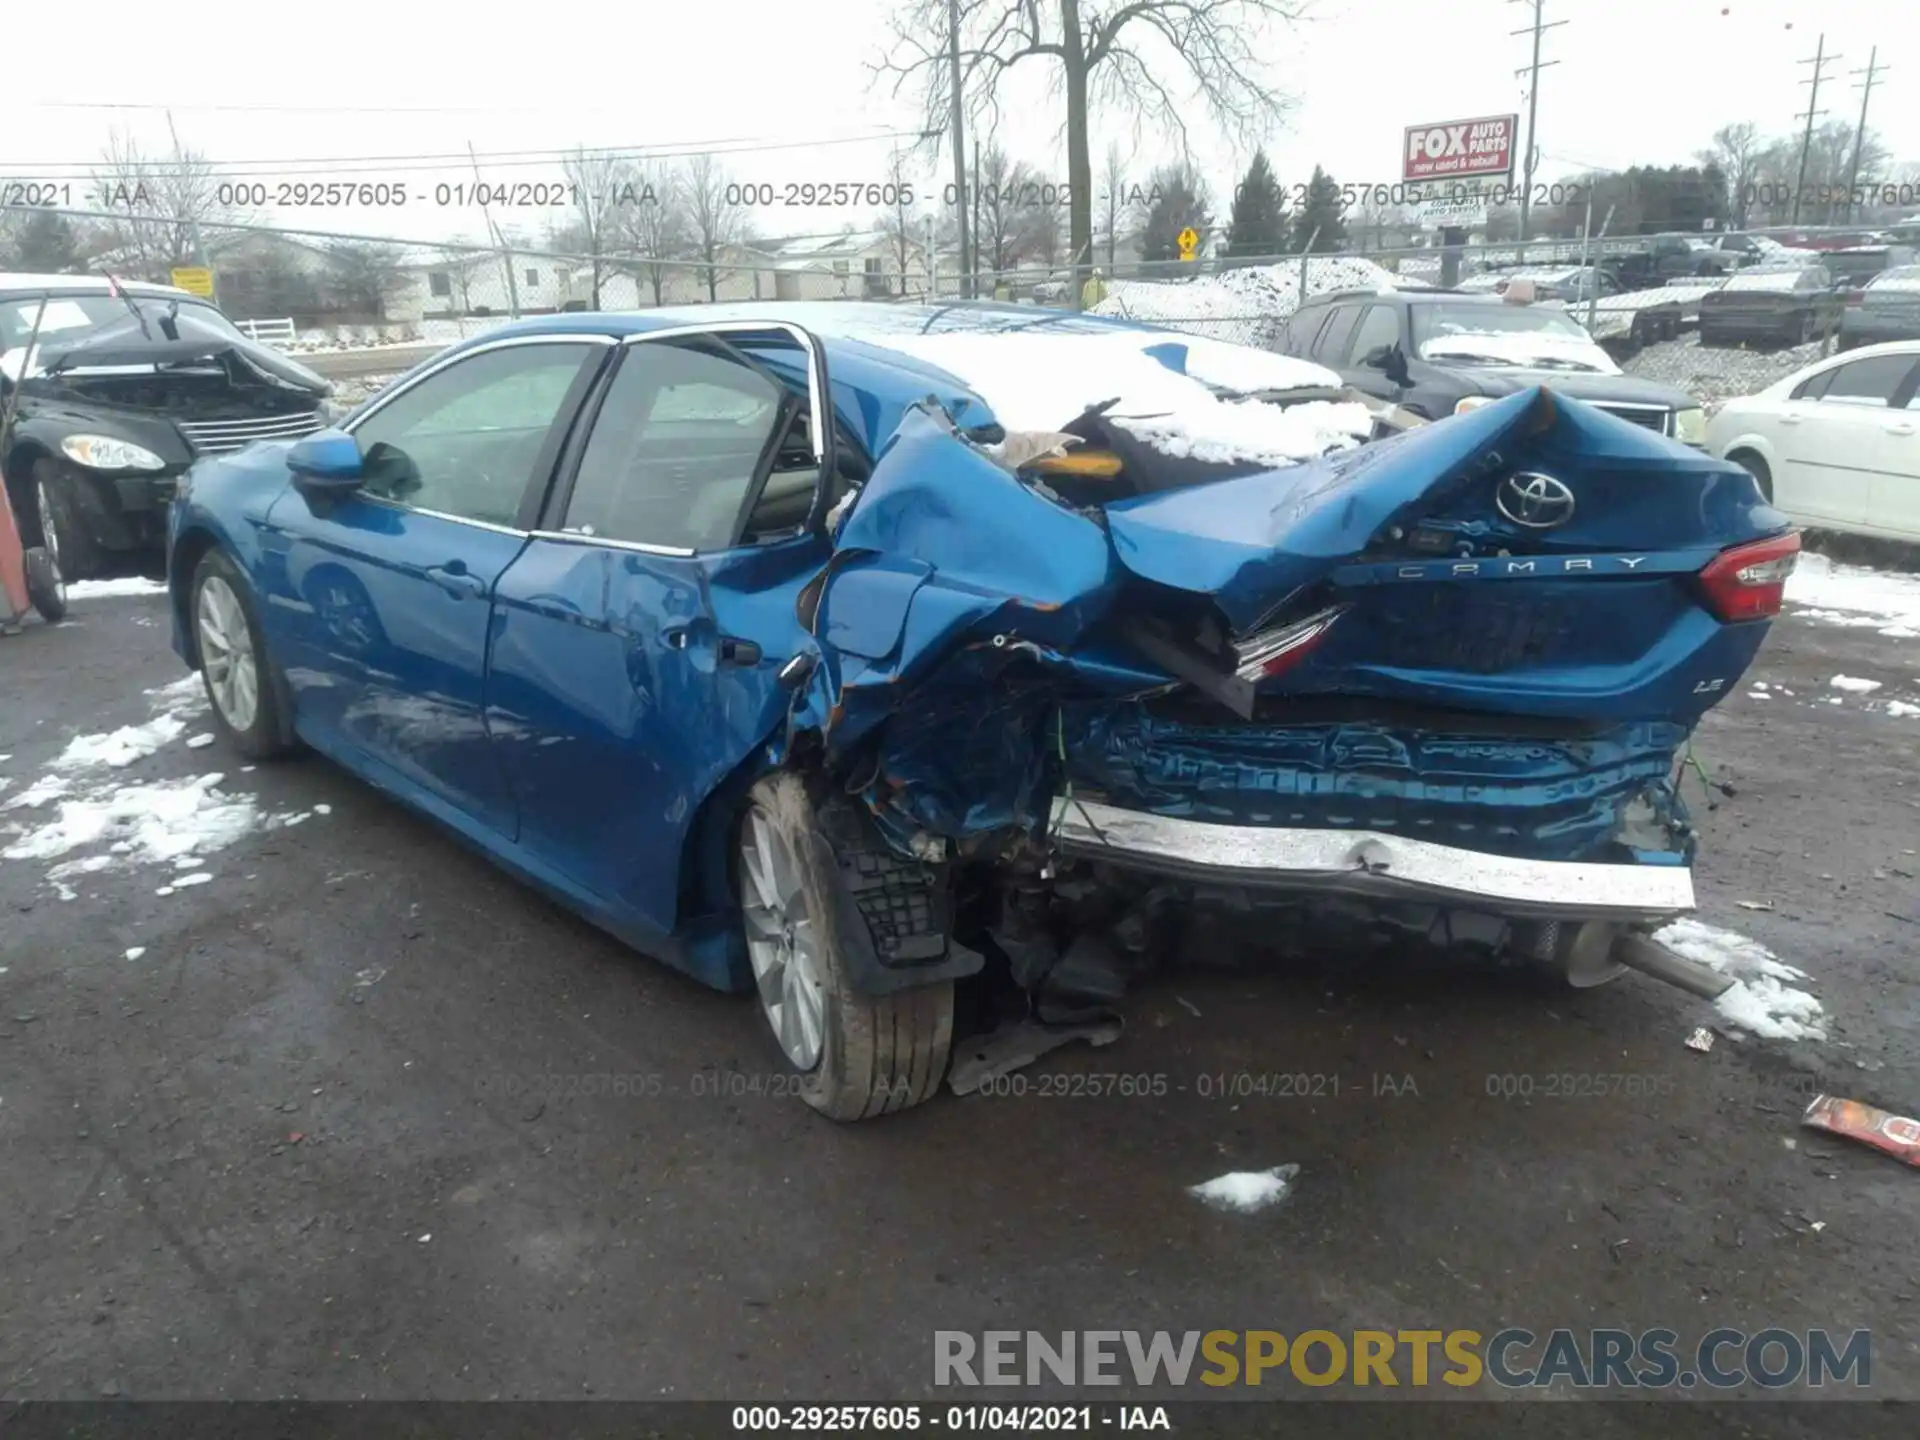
{"x": 71, "y": 319}
{"x": 1504, "y": 335}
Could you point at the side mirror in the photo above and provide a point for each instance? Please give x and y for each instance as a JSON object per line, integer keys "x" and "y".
{"x": 329, "y": 460}
{"x": 1380, "y": 357}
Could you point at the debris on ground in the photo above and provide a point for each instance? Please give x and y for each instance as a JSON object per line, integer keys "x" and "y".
{"x": 1245, "y": 1192}
{"x": 1701, "y": 1039}
{"x": 1895, "y": 1135}
{"x": 1014, "y": 1047}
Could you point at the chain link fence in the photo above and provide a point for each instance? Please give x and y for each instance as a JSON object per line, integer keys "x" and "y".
{"x": 335, "y": 290}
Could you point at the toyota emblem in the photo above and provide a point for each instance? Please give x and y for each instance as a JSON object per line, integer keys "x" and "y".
{"x": 1536, "y": 501}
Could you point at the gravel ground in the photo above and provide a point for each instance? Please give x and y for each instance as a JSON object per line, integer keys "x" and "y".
{"x": 334, "y": 1121}
{"x": 1714, "y": 376}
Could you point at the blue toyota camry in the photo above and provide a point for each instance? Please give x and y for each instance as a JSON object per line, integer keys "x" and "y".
{"x": 858, "y": 656}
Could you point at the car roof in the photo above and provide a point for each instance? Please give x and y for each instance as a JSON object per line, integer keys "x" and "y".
{"x": 86, "y": 285}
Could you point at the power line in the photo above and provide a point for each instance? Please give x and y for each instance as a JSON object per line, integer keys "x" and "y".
{"x": 441, "y": 160}
{"x": 1819, "y": 63}
{"x": 1532, "y": 72}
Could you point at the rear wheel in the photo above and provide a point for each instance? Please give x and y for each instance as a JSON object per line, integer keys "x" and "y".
{"x": 233, "y": 659}
{"x": 1756, "y": 467}
{"x": 857, "y": 1055}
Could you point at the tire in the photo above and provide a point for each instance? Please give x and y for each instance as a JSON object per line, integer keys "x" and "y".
{"x": 46, "y": 591}
{"x": 857, "y": 1056}
{"x": 1805, "y": 331}
{"x": 62, "y": 525}
{"x": 1708, "y": 337}
{"x": 234, "y": 665}
{"x": 1756, "y": 467}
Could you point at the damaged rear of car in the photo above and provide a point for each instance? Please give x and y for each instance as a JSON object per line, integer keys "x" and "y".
{"x": 1106, "y": 642}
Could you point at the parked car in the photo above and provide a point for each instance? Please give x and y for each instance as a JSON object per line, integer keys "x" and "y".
{"x": 852, "y": 653}
{"x": 1853, "y": 267}
{"x": 1887, "y": 309}
{"x": 1788, "y": 306}
{"x": 124, "y": 386}
{"x": 1659, "y": 258}
{"x": 1558, "y": 282}
{"x": 1837, "y": 444}
{"x": 1442, "y": 352}
{"x": 1760, "y": 249}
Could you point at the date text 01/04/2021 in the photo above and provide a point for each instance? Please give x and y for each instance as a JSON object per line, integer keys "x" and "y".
{"x": 1008, "y": 1419}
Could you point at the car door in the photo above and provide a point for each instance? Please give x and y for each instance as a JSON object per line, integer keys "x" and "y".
{"x": 638, "y": 638}
{"x": 377, "y": 601}
{"x": 1379, "y": 326}
{"x": 1849, "y": 443}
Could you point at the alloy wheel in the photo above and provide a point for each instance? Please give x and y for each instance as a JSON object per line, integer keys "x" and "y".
{"x": 226, "y": 653}
{"x": 50, "y": 537}
{"x": 782, "y": 941}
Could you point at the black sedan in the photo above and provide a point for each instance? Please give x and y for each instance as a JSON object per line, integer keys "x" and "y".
{"x": 1789, "y": 305}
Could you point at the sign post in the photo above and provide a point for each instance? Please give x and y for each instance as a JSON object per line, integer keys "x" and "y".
{"x": 194, "y": 279}
{"x": 1446, "y": 165}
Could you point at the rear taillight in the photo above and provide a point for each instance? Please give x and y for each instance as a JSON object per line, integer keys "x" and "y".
{"x": 1854, "y": 297}
{"x": 1261, "y": 657}
{"x": 1748, "y": 581}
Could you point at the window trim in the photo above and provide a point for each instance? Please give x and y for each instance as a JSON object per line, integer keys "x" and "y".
{"x": 1333, "y": 312}
{"x": 539, "y": 481}
{"x": 559, "y": 491}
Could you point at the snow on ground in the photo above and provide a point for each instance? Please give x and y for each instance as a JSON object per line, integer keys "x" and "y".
{"x": 1852, "y": 595}
{"x": 1760, "y": 1002}
{"x": 82, "y": 814}
{"x": 1715, "y": 375}
{"x": 125, "y": 585}
{"x": 1246, "y": 305}
{"x": 1244, "y": 1192}
{"x": 1854, "y": 685}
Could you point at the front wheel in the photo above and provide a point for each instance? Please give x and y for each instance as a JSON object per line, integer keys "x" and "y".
{"x": 45, "y": 589}
{"x": 856, "y": 1056}
{"x": 233, "y": 659}
{"x": 63, "y": 527}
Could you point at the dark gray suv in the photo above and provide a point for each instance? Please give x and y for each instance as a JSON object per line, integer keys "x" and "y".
{"x": 1438, "y": 352}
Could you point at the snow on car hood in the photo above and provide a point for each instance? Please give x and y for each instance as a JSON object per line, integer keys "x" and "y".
{"x": 1521, "y": 348}
{"x": 1167, "y": 389}
{"x": 1769, "y": 277}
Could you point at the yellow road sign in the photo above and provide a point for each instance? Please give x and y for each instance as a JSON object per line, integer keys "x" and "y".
{"x": 1189, "y": 242}
{"x": 194, "y": 279}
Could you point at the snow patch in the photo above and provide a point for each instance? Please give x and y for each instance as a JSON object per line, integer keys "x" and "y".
{"x": 136, "y": 952}
{"x": 151, "y": 823}
{"x": 1245, "y": 1192}
{"x": 105, "y": 589}
{"x": 1761, "y": 1001}
{"x": 120, "y": 748}
{"x": 1854, "y": 685}
{"x": 1902, "y": 708}
{"x": 1853, "y": 595}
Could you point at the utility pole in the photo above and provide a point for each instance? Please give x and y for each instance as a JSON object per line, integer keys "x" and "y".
{"x": 1874, "y": 68}
{"x": 956, "y": 121}
{"x": 1819, "y": 62}
{"x": 185, "y": 188}
{"x": 1532, "y": 72}
{"x": 499, "y": 236}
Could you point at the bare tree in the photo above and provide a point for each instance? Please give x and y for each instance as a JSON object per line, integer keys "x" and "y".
{"x": 655, "y": 229}
{"x": 1117, "y": 207}
{"x": 716, "y": 216}
{"x": 1132, "y": 55}
{"x": 1737, "y": 150}
{"x": 363, "y": 277}
{"x": 594, "y": 188}
{"x": 163, "y": 199}
{"x": 900, "y": 221}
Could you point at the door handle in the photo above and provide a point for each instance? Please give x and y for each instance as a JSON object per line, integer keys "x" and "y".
{"x": 1789, "y": 419}
{"x": 1899, "y": 427}
{"x": 454, "y": 578}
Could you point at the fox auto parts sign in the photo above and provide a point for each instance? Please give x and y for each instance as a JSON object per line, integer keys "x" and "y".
{"x": 1458, "y": 149}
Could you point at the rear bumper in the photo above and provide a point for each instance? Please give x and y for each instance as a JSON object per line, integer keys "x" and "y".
{"x": 1370, "y": 863}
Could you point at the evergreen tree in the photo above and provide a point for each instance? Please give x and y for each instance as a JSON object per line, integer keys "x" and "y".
{"x": 46, "y": 245}
{"x": 1258, "y": 225}
{"x": 1321, "y": 213}
{"x": 1175, "y": 201}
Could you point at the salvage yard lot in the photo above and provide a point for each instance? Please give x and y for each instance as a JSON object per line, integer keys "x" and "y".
{"x": 357, "y": 1115}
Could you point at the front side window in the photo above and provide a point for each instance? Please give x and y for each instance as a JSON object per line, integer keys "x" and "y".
{"x": 681, "y": 441}
{"x": 468, "y": 437}
{"x": 1332, "y": 349}
{"x": 1379, "y": 326}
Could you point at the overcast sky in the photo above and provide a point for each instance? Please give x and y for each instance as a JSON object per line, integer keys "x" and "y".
{"x": 1637, "y": 81}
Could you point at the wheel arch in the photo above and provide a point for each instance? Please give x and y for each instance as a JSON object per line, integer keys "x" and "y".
{"x": 188, "y": 549}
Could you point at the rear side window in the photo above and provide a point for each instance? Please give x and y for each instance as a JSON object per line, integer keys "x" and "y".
{"x": 1331, "y": 348}
{"x": 1302, "y": 328}
{"x": 1871, "y": 382}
